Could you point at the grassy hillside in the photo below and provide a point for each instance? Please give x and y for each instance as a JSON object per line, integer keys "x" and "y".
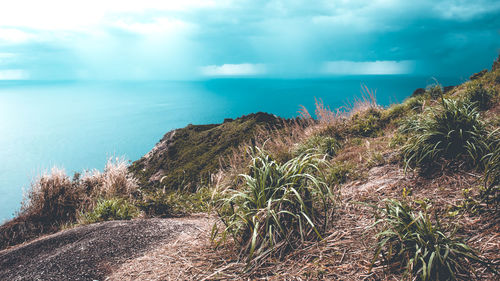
{"x": 407, "y": 192}
{"x": 185, "y": 158}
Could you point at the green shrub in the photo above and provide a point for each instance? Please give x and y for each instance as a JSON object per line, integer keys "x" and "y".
{"x": 319, "y": 144}
{"x": 482, "y": 97}
{"x": 111, "y": 209}
{"x": 452, "y": 132}
{"x": 366, "y": 124}
{"x": 422, "y": 247}
{"x": 279, "y": 206}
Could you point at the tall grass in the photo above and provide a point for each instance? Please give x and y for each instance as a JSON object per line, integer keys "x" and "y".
{"x": 491, "y": 178}
{"x": 55, "y": 200}
{"x": 421, "y": 247}
{"x": 452, "y": 131}
{"x": 278, "y": 206}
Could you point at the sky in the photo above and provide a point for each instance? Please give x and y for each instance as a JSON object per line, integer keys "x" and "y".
{"x": 195, "y": 39}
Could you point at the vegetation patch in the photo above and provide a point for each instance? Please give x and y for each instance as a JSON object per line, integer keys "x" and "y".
{"x": 453, "y": 131}
{"x": 186, "y": 158}
{"x": 422, "y": 248}
{"x": 110, "y": 209}
{"x": 278, "y": 207}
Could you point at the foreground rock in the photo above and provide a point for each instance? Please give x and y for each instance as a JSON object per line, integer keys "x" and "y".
{"x": 92, "y": 252}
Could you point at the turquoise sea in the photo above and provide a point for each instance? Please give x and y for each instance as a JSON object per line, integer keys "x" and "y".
{"x": 78, "y": 125}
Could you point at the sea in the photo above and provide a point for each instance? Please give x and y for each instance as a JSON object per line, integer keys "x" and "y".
{"x": 78, "y": 125}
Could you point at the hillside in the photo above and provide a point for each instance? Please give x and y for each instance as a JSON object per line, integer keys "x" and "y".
{"x": 406, "y": 192}
{"x": 185, "y": 158}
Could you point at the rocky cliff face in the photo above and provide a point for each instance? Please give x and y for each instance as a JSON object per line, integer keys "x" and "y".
{"x": 186, "y": 157}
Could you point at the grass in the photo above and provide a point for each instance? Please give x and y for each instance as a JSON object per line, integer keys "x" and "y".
{"x": 110, "y": 209}
{"x": 491, "y": 178}
{"x": 480, "y": 95}
{"x": 278, "y": 207}
{"x": 453, "y": 131}
{"x": 423, "y": 248}
{"x": 323, "y": 145}
{"x": 55, "y": 200}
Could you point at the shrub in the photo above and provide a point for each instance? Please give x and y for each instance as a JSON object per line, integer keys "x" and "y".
{"x": 482, "y": 97}
{"x": 110, "y": 209}
{"x": 451, "y": 132}
{"x": 422, "y": 247}
{"x": 367, "y": 123}
{"x": 279, "y": 206}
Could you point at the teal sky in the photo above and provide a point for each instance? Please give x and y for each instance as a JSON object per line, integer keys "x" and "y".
{"x": 155, "y": 40}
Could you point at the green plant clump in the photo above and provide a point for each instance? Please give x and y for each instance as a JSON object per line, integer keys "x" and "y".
{"x": 279, "y": 206}
{"x": 451, "y": 132}
{"x": 111, "y": 209}
{"x": 366, "y": 124}
{"x": 481, "y": 96}
{"x": 423, "y": 248}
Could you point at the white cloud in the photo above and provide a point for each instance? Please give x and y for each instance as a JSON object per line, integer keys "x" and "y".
{"x": 243, "y": 69}
{"x": 157, "y": 25}
{"x": 13, "y": 35}
{"x": 13, "y": 74}
{"x": 81, "y": 15}
{"x": 368, "y": 67}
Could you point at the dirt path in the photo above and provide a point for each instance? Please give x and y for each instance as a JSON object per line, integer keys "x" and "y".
{"x": 94, "y": 251}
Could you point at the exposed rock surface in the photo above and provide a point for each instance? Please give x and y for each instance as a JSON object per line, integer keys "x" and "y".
{"x": 91, "y": 252}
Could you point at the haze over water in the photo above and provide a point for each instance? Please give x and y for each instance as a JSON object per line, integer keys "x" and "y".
{"x": 78, "y": 125}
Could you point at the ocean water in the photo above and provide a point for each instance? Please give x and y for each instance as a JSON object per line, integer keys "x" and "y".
{"x": 78, "y": 125}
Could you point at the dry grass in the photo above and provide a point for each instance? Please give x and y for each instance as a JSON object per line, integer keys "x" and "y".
{"x": 56, "y": 200}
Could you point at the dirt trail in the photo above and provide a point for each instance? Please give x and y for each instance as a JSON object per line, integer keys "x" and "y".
{"x": 94, "y": 251}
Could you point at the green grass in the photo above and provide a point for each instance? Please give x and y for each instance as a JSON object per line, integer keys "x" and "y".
{"x": 452, "y": 131}
{"x": 480, "y": 95}
{"x": 110, "y": 209}
{"x": 278, "y": 207}
{"x": 193, "y": 153}
{"x": 491, "y": 178}
{"x": 366, "y": 124}
{"x": 423, "y": 248}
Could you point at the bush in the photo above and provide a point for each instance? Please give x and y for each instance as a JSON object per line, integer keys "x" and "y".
{"x": 280, "y": 206}
{"x": 110, "y": 209}
{"x": 452, "y": 132}
{"x": 423, "y": 248}
{"x": 366, "y": 124}
{"x": 482, "y": 97}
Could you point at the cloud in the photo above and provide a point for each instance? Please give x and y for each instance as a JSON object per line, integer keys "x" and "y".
{"x": 368, "y": 67}
{"x": 13, "y": 74}
{"x": 171, "y": 39}
{"x": 244, "y": 69}
{"x": 13, "y": 35}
